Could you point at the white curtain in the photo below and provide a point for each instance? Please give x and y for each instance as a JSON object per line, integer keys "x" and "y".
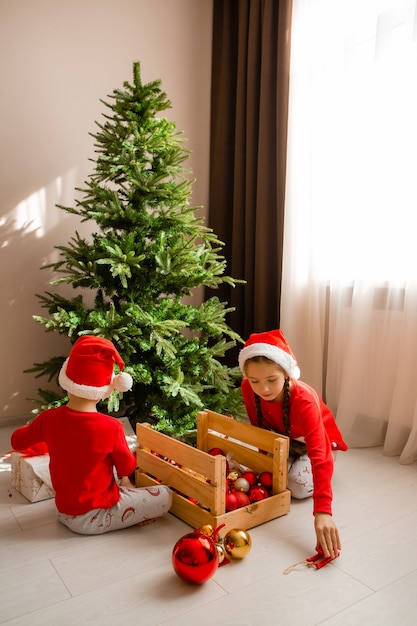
{"x": 349, "y": 297}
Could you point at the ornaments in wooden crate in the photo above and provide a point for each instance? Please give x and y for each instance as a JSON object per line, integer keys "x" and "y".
{"x": 197, "y": 555}
{"x": 243, "y": 486}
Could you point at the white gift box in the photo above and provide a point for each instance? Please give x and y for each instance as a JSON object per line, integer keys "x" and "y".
{"x": 31, "y": 476}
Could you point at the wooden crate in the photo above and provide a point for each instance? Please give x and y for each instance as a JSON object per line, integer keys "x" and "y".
{"x": 193, "y": 473}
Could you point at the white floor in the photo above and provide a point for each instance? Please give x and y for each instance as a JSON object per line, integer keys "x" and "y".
{"x": 50, "y": 576}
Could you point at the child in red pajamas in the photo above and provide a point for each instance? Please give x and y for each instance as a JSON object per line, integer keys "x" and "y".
{"x": 275, "y": 399}
{"x": 88, "y": 450}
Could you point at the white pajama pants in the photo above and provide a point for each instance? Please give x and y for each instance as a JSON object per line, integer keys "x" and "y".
{"x": 136, "y": 505}
{"x": 300, "y": 478}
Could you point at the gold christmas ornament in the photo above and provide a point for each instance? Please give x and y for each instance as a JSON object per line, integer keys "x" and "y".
{"x": 207, "y": 530}
{"x": 237, "y": 543}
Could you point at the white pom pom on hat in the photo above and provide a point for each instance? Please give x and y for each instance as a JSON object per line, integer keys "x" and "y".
{"x": 88, "y": 372}
{"x": 273, "y": 346}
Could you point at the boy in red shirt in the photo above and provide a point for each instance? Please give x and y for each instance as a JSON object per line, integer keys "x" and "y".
{"x": 88, "y": 449}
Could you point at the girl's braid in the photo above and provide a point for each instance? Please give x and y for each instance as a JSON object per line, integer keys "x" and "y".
{"x": 258, "y": 410}
{"x": 285, "y": 407}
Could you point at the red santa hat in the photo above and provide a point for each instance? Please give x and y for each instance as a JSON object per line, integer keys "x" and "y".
{"x": 273, "y": 346}
{"x": 88, "y": 372}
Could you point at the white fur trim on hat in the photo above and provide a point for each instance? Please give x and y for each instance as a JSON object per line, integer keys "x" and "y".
{"x": 275, "y": 354}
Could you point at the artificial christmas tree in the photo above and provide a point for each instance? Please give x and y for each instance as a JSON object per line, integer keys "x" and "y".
{"x": 149, "y": 254}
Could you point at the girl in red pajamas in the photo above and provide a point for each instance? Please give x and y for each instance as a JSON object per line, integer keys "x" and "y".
{"x": 276, "y": 400}
{"x": 88, "y": 450}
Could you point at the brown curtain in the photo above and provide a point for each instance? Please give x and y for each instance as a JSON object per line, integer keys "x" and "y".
{"x": 250, "y": 77}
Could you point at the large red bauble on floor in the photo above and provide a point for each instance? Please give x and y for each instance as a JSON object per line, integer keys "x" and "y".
{"x": 195, "y": 558}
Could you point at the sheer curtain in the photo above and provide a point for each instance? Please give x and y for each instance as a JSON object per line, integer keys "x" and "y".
{"x": 349, "y": 288}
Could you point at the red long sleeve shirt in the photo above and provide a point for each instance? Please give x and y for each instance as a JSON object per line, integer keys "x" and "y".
{"x": 311, "y": 419}
{"x": 84, "y": 450}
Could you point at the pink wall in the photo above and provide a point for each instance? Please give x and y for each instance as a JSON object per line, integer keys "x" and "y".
{"x": 57, "y": 59}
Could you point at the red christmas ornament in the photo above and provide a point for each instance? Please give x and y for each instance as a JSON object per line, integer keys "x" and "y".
{"x": 265, "y": 478}
{"x": 242, "y": 499}
{"x": 219, "y": 452}
{"x": 215, "y": 451}
{"x": 195, "y": 557}
{"x": 257, "y": 493}
{"x": 250, "y": 477}
{"x": 231, "y": 501}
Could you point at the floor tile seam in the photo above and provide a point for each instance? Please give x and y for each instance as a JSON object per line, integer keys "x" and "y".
{"x": 16, "y": 518}
{"x": 397, "y": 580}
{"x": 103, "y": 585}
{"x": 338, "y": 496}
{"x": 364, "y": 584}
{"x": 383, "y": 525}
{"x": 348, "y": 606}
{"x": 57, "y": 572}
{"x": 34, "y": 613}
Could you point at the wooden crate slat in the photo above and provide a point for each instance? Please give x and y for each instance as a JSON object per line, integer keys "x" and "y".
{"x": 280, "y": 465}
{"x": 181, "y": 507}
{"x": 185, "y": 481}
{"x": 244, "y": 517}
{"x": 178, "y": 451}
{"x": 257, "y": 437}
{"x": 245, "y": 456}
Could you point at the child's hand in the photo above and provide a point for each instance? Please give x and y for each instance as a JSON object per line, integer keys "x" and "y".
{"x": 327, "y": 534}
